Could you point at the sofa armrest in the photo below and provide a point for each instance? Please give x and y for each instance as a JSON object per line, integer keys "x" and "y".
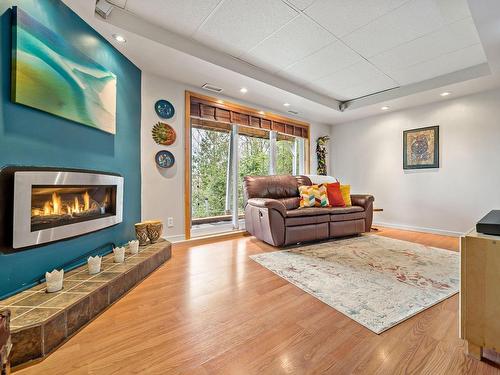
{"x": 365, "y": 201}
{"x": 362, "y": 200}
{"x": 268, "y": 203}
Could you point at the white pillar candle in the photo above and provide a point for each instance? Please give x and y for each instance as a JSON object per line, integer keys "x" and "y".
{"x": 94, "y": 264}
{"x": 133, "y": 247}
{"x": 119, "y": 254}
{"x": 54, "y": 280}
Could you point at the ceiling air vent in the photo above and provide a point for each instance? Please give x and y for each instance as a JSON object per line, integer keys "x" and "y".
{"x": 103, "y": 8}
{"x": 293, "y": 112}
{"x": 209, "y": 87}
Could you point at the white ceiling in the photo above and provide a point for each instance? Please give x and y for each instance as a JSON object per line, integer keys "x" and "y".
{"x": 332, "y": 70}
{"x": 343, "y": 49}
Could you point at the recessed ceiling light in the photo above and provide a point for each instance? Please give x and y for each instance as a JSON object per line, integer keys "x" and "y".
{"x": 385, "y": 108}
{"x": 446, "y": 93}
{"x": 262, "y": 113}
{"x": 119, "y": 38}
{"x": 220, "y": 101}
{"x": 287, "y": 104}
{"x": 243, "y": 90}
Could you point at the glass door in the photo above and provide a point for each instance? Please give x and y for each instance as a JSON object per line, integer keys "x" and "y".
{"x": 254, "y": 160}
{"x": 210, "y": 180}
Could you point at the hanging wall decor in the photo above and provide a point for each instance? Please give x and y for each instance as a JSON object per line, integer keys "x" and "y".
{"x": 164, "y": 134}
{"x": 321, "y": 153}
{"x": 164, "y": 109}
{"x": 53, "y": 75}
{"x": 164, "y": 159}
{"x": 421, "y": 148}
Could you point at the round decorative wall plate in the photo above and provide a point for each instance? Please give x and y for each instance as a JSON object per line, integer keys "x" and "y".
{"x": 164, "y": 109}
{"x": 163, "y": 134}
{"x": 164, "y": 159}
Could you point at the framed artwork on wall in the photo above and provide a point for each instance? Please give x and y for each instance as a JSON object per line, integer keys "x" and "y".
{"x": 51, "y": 74}
{"x": 421, "y": 148}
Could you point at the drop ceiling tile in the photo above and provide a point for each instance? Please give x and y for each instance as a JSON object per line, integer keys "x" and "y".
{"x": 449, "y": 63}
{"x": 322, "y": 63}
{"x": 301, "y": 4}
{"x": 349, "y": 93}
{"x": 296, "y": 40}
{"x": 410, "y": 21}
{"x": 119, "y": 3}
{"x": 359, "y": 79}
{"x": 173, "y": 15}
{"x": 239, "y": 25}
{"x": 372, "y": 87}
{"x": 453, "y": 10}
{"x": 450, "y": 38}
{"x": 344, "y": 16}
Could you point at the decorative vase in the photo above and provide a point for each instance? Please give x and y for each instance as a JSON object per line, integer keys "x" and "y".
{"x": 94, "y": 264}
{"x": 119, "y": 254}
{"x": 155, "y": 229}
{"x": 54, "y": 280}
{"x": 141, "y": 233}
{"x": 133, "y": 247}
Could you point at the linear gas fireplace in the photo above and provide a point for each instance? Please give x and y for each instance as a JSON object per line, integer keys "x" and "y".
{"x": 55, "y": 205}
{"x": 50, "y": 205}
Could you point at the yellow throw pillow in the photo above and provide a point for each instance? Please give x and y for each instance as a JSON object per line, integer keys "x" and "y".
{"x": 313, "y": 196}
{"x": 346, "y": 194}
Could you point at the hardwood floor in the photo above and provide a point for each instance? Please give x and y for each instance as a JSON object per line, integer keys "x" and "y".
{"x": 212, "y": 310}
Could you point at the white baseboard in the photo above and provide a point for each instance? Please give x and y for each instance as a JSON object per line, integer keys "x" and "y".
{"x": 176, "y": 238}
{"x": 419, "y": 229}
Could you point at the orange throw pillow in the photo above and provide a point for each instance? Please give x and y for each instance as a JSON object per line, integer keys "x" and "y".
{"x": 335, "y": 195}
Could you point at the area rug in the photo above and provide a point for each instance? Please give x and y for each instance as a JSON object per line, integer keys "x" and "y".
{"x": 376, "y": 281}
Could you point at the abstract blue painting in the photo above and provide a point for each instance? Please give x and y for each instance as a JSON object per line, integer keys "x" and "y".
{"x": 51, "y": 74}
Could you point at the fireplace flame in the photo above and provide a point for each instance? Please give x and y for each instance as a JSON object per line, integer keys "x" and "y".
{"x": 86, "y": 201}
{"x": 76, "y": 206}
{"x": 55, "y": 206}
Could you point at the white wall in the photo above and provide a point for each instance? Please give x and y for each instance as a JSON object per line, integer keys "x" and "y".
{"x": 368, "y": 155}
{"x": 163, "y": 190}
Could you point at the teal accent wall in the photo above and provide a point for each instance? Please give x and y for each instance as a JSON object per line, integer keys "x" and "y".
{"x": 34, "y": 138}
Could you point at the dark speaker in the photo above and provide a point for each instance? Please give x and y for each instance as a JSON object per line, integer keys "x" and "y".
{"x": 490, "y": 224}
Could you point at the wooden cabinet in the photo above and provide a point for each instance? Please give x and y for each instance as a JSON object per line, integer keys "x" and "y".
{"x": 480, "y": 292}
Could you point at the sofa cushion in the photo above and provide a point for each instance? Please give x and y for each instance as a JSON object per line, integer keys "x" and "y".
{"x": 275, "y": 187}
{"x": 314, "y": 211}
{"x": 306, "y": 220}
{"x": 345, "y": 210}
{"x": 348, "y": 216}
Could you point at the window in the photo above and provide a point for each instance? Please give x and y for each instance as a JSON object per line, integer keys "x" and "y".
{"x": 209, "y": 171}
{"x": 227, "y": 143}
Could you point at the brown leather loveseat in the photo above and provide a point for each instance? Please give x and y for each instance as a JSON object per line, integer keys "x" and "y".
{"x": 272, "y": 212}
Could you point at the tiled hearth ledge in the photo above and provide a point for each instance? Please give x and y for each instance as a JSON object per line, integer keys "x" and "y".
{"x": 43, "y": 321}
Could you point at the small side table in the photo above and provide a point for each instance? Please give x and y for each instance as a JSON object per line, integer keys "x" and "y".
{"x": 376, "y": 210}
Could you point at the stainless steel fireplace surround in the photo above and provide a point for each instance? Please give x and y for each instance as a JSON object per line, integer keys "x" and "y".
{"x": 78, "y": 215}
